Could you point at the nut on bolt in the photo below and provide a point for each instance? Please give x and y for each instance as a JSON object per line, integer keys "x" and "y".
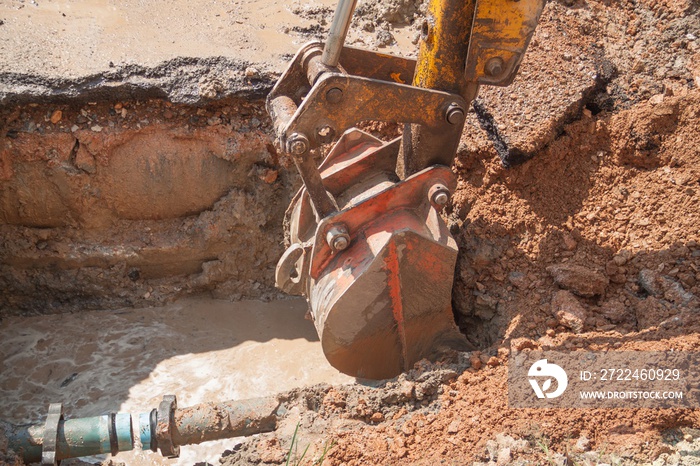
{"x": 439, "y": 195}
{"x": 297, "y": 144}
{"x": 494, "y": 67}
{"x": 454, "y": 114}
{"x": 338, "y": 238}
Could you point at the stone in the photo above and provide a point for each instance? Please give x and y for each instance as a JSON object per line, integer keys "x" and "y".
{"x": 384, "y": 38}
{"x": 568, "y": 311}
{"x": 578, "y": 279}
{"x": 85, "y": 161}
{"x": 475, "y": 360}
{"x": 518, "y": 280}
{"x": 485, "y": 306}
{"x": 662, "y": 286}
{"x": 649, "y": 280}
{"x": 56, "y": 116}
{"x": 582, "y": 444}
{"x": 614, "y": 311}
{"x": 454, "y": 426}
{"x": 252, "y": 73}
{"x": 568, "y": 241}
{"x": 504, "y": 457}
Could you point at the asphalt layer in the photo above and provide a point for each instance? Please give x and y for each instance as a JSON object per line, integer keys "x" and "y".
{"x": 52, "y": 50}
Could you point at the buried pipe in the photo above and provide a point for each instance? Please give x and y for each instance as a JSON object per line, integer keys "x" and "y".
{"x": 165, "y": 428}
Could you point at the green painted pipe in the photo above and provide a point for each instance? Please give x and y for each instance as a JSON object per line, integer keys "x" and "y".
{"x": 110, "y": 433}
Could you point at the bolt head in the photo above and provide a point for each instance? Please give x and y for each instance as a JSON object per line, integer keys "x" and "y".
{"x": 338, "y": 238}
{"x": 439, "y": 195}
{"x": 334, "y": 95}
{"x": 340, "y": 243}
{"x": 441, "y": 198}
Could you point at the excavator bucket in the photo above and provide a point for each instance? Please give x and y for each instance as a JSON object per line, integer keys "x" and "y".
{"x": 382, "y": 302}
{"x": 366, "y": 244}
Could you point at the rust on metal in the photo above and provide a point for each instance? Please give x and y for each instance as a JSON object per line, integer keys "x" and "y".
{"x": 500, "y": 36}
{"x": 213, "y": 421}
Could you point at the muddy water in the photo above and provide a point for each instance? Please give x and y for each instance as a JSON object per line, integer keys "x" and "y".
{"x": 198, "y": 349}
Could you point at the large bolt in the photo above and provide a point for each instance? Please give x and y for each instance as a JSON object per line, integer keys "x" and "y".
{"x": 494, "y": 67}
{"x": 338, "y": 238}
{"x": 334, "y": 95}
{"x": 454, "y": 114}
{"x": 297, "y": 144}
{"x": 439, "y": 195}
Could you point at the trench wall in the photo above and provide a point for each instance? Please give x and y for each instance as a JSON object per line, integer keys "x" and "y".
{"x": 121, "y": 203}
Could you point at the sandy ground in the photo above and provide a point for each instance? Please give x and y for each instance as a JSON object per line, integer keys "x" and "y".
{"x": 198, "y": 349}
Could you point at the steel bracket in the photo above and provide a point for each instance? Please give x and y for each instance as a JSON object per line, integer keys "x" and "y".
{"x": 366, "y": 86}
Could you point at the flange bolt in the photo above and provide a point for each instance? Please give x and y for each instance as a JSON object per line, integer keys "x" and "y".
{"x": 334, "y": 95}
{"x": 494, "y": 67}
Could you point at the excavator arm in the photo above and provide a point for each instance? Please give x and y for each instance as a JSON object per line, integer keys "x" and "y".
{"x": 366, "y": 244}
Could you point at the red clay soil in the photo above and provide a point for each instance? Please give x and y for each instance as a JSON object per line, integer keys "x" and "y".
{"x": 619, "y": 206}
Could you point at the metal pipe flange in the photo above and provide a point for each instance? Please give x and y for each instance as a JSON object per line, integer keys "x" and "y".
{"x": 164, "y": 427}
{"x": 50, "y": 439}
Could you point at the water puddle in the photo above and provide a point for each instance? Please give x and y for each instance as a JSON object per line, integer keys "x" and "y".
{"x": 198, "y": 349}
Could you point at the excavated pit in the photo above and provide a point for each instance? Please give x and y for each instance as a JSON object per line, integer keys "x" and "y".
{"x": 133, "y": 203}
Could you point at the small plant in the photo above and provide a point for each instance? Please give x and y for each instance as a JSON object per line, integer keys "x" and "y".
{"x": 293, "y": 458}
{"x": 544, "y": 446}
{"x": 293, "y": 447}
{"x": 326, "y": 448}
